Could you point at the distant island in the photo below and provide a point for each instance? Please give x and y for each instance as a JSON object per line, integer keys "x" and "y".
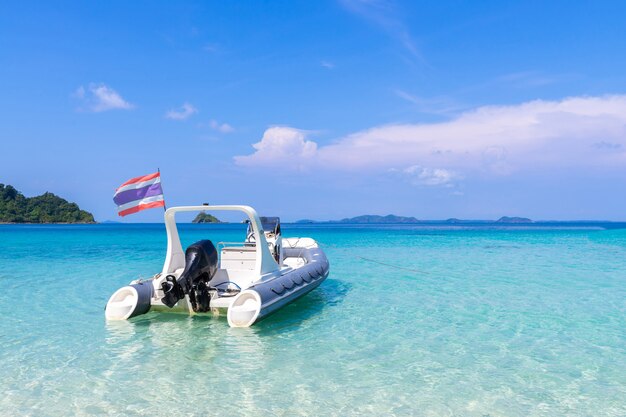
{"x": 46, "y": 208}
{"x": 379, "y": 219}
{"x": 366, "y": 219}
{"x": 205, "y": 218}
{"x": 506, "y": 219}
{"x": 393, "y": 219}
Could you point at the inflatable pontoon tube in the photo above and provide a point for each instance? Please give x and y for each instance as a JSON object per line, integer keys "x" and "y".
{"x": 129, "y": 301}
{"x": 260, "y": 300}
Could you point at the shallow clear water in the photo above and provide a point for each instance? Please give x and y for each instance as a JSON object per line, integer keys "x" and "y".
{"x": 465, "y": 322}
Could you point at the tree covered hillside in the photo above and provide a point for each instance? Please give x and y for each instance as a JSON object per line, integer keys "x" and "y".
{"x": 46, "y": 208}
{"x": 205, "y": 218}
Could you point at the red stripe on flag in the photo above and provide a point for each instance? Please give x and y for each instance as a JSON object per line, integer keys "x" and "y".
{"x": 141, "y": 207}
{"x": 140, "y": 179}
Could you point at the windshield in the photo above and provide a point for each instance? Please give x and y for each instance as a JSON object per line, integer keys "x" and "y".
{"x": 270, "y": 224}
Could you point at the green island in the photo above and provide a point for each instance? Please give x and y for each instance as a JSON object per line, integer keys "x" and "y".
{"x": 45, "y": 208}
{"x": 205, "y": 218}
{"x": 370, "y": 218}
{"x": 366, "y": 219}
{"x": 393, "y": 219}
{"x": 506, "y": 219}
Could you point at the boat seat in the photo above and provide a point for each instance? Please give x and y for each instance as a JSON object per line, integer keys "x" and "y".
{"x": 239, "y": 257}
{"x": 294, "y": 262}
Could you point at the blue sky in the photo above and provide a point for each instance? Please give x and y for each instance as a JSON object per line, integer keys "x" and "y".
{"x": 321, "y": 109}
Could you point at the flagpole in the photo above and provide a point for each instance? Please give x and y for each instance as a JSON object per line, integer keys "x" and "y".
{"x": 164, "y": 207}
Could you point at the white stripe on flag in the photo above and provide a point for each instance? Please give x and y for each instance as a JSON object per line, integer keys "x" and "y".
{"x": 137, "y": 185}
{"x": 138, "y": 202}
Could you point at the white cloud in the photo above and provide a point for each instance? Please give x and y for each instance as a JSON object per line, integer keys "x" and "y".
{"x": 184, "y": 113}
{"x": 386, "y": 16}
{"x": 435, "y": 105}
{"x": 525, "y": 79}
{"x": 492, "y": 140}
{"x": 281, "y": 144}
{"x": 418, "y": 175}
{"x": 221, "y": 127}
{"x": 99, "y": 98}
{"x": 608, "y": 145}
{"x": 327, "y": 64}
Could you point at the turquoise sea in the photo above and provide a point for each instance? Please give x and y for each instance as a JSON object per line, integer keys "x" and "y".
{"x": 426, "y": 320}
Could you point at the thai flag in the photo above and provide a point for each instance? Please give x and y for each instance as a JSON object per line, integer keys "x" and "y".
{"x": 138, "y": 194}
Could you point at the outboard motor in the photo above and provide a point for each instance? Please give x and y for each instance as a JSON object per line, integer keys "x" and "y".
{"x": 200, "y": 267}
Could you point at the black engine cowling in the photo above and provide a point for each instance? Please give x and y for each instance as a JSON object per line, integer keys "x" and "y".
{"x": 200, "y": 267}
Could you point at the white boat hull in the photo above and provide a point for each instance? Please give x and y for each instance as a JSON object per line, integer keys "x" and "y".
{"x": 263, "y": 297}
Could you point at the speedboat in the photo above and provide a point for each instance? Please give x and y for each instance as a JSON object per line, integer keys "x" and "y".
{"x": 246, "y": 281}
